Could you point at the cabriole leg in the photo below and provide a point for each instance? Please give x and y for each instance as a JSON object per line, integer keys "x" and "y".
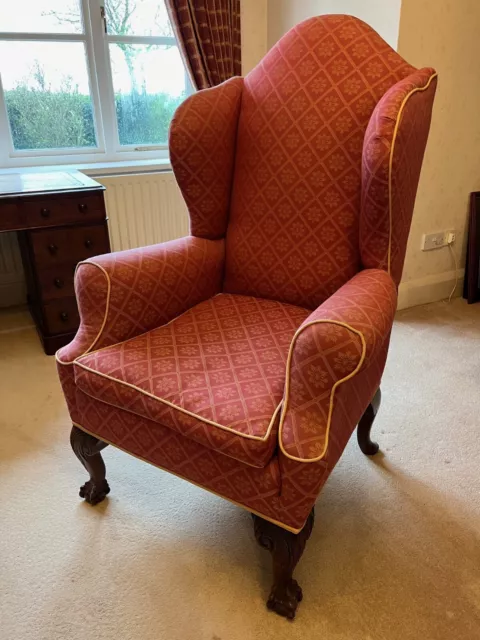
{"x": 87, "y": 449}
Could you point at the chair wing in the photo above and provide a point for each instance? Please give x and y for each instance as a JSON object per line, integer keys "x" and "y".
{"x": 202, "y": 152}
{"x": 393, "y": 153}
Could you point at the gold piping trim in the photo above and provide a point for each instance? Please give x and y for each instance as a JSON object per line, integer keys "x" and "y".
{"x": 390, "y": 164}
{"x": 116, "y": 344}
{"x": 135, "y": 413}
{"x": 170, "y": 404}
{"x": 139, "y": 335}
{"x": 107, "y": 309}
{"x": 181, "y": 409}
{"x": 219, "y": 495}
{"x": 332, "y": 393}
{"x": 359, "y": 366}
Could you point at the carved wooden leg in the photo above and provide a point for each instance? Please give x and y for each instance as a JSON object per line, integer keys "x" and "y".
{"x": 87, "y": 449}
{"x": 286, "y": 549}
{"x": 368, "y": 447}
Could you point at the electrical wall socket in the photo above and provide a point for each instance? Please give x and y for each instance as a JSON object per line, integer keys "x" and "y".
{"x": 437, "y": 240}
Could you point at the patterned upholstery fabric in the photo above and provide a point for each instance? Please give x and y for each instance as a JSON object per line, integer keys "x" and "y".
{"x": 384, "y": 232}
{"x": 124, "y": 294}
{"x": 202, "y": 153}
{"x": 283, "y": 491}
{"x": 208, "y": 34}
{"x": 300, "y": 181}
{"x": 335, "y": 343}
{"x": 293, "y": 229}
{"x": 121, "y": 295}
{"x": 302, "y": 481}
{"x": 215, "y": 374}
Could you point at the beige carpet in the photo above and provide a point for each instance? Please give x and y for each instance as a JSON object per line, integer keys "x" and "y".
{"x": 395, "y": 554}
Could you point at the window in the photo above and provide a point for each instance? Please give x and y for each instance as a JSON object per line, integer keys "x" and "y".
{"x": 87, "y": 80}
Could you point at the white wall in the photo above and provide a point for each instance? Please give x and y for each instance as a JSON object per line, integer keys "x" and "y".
{"x": 382, "y": 15}
{"x": 254, "y": 32}
{"x": 445, "y": 35}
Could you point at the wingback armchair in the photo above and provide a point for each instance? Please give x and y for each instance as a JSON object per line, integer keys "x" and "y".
{"x": 243, "y": 356}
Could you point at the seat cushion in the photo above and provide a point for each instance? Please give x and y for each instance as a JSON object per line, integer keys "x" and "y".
{"x": 216, "y": 374}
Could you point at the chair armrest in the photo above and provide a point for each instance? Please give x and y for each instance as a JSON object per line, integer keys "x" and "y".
{"x": 334, "y": 344}
{"x": 123, "y": 294}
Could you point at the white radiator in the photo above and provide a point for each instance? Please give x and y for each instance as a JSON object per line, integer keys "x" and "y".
{"x": 12, "y": 281}
{"x": 142, "y": 209}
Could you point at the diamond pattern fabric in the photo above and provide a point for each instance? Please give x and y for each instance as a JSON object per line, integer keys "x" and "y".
{"x": 384, "y": 232}
{"x": 335, "y": 343}
{"x": 202, "y": 153}
{"x": 170, "y": 450}
{"x": 242, "y": 358}
{"x": 294, "y": 222}
{"x": 284, "y": 490}
{"x": 215, "y": 374}
{"x": 123, "y": 294}
{"x": 302, "y": 481}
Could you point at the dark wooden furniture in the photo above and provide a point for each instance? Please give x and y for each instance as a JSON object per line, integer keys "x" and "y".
{"x": 471, "y": 286}
{"x": 60, "y": 219}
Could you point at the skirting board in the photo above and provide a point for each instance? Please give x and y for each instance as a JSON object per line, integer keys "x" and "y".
{"x": 429, "y": 289}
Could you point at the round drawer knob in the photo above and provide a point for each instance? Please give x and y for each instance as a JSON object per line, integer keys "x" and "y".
{"x": 88, "y": 244}
{"x": 45, "y": 213}
{"x": 82, "y": 207}
{"x": 58, "y": 282}
{"x": 64, "y": 316}
{"x": 52, "y": 248}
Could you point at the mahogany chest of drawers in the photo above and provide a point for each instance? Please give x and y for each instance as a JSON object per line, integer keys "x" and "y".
{"x": 60, "y": 219}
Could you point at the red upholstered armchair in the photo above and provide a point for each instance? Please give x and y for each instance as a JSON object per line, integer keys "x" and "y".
{"x": 243, "y": 356}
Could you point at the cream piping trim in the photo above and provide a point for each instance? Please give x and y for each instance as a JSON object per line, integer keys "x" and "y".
{"x": 332, "y": 393}
{"x": 117, "y": 344}
{"x": 107, "y": 309}
{"x": 135, "y": 413}
{"x": 390, "y": 164}
{"x": 200, "y": 486}
{"x": 181, "y": 409}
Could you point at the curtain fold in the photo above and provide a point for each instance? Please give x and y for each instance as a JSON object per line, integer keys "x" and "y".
{"x": 208, "y": 34}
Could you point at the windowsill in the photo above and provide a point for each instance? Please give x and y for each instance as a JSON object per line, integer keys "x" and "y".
{"x": 97, "y": 169}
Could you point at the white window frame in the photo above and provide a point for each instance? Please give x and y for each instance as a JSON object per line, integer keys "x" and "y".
{"x": 109, "y": 149}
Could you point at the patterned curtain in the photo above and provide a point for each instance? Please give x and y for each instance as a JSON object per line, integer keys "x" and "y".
{"x": 208, "y": 34}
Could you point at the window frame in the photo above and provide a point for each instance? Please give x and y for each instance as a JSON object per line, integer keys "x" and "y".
{"x": 108, "y": 150}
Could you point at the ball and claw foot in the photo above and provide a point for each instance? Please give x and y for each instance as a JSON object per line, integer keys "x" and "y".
{"x": 284, "y": 599}
{"x": 94, "y": 494}
{"x": 286, "y": 549}
{"x": 87, "y": 448}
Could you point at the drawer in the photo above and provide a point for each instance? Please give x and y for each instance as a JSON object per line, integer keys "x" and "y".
{"x": 61, "y": 209}
{"x": 56, "y": 282}
{"x": 60, "y": 316}
{"x": 11, "y": 217}
{"x": 69, "y": 244}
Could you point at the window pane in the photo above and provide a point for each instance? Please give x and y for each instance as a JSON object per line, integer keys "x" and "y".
{"x": 149, "y": 83}
{"x": 43, "y": 16}
{"x": 47, "y": 94}
{"x": 140, "y": 18}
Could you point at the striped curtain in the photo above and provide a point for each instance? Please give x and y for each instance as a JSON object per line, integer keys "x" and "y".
{"x": 208, "y": 34}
